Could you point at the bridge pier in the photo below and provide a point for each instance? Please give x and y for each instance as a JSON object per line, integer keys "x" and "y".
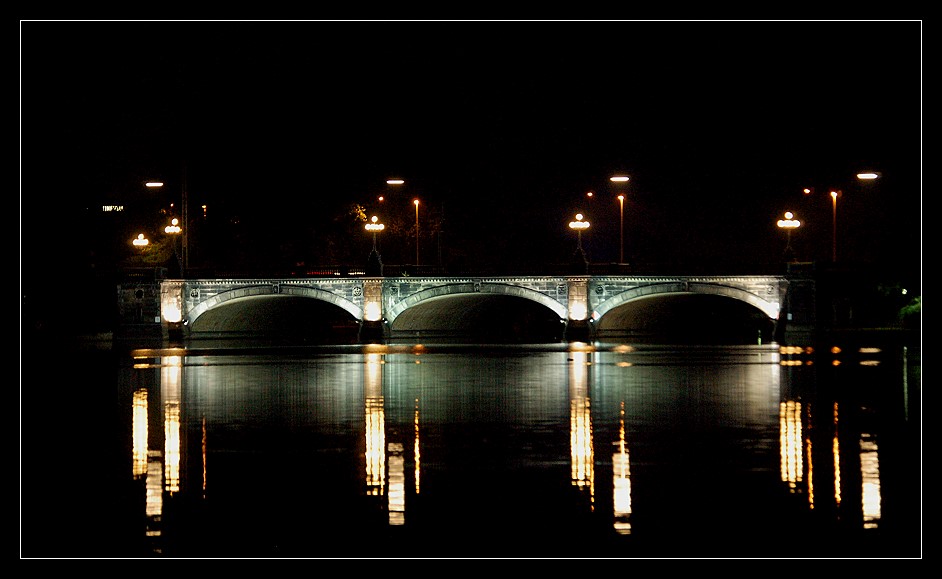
{"x": 579, "y": 331}
{"x": 373, "y": 332}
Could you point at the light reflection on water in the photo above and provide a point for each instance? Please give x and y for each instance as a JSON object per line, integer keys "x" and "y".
{"x": 557, "y": 450}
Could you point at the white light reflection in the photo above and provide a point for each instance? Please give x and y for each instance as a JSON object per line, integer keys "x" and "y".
{"x": 375, "y": 425}
{"x": 139, "y": 433}
{"x": 621, "y": 480}
{"x": 397, "y": 485}
{"x": 580, "y": 424}
{"x": 415, "y": 449}
{"x": 836, "y": 450}
{"x": 870, "y": 473}
{"x": 155, "y": 488}
{"x": 203, "y": 452}
{"x": 171, "y": 376}
{"x": 154, "y": 498}
{"x": 808, "y": 460}
{"x": 790, "y": 442}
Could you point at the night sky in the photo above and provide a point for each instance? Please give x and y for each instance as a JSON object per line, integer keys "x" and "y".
{"x": 500, "y": 128}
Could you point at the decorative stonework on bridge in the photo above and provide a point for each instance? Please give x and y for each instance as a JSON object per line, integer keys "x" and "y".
{"x": 575, "y": 299}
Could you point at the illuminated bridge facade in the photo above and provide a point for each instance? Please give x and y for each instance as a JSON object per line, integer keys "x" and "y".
{"x": 390, "y": 307}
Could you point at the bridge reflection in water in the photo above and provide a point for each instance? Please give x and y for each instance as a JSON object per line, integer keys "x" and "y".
{"x": 517, "y": 309}
{"x": 172, "y": 444}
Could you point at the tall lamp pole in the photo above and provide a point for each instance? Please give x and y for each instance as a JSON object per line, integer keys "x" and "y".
{"x": 621, "y": 217}
{"x": 788, "y": 223}
{"x": 621, "y": 230}
{"x": 174, "y": 229}
{"x": 374, "y": 226}
{"x": 579, "y": 225}
{"x": 834, "y": 195}
{"x": 185, "y": 261}
{"x": 375, "y": 262}
{"x": 416, "y": 201}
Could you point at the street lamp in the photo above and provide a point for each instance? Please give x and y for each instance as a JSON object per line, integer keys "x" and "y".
{"x": 788, "y": 223}
{"x": 621, "y": 217}
{"x": 579, "y": 226}
{"x": 174, "y": 229}
{"x": 621, "y": 234}
{"x": 140, "y": 240}
{"x": 184, "y": 202}
{"x": 375, "y": 227}
{"x": 416, "y": 201}
{"x": 375, "y": 262}
{"x": 834, "y": 196}
{"x": 393, "y": 181}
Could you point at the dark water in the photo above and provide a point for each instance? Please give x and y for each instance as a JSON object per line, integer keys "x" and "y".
{"x": 431, "y": 451}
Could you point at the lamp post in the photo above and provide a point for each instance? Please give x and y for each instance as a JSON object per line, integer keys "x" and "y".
{"x": 174, "y": 229}
{"x": 184, "y": 202}
{"x": 140, "y": 240}
{"x": 788, "y": 223}
{"x": 621, "y": 217}
{"x": 621, "y": 229}
{"x": 834, "y": 196}
{"x": 579, "y": 225}
{"x": 375, "y": 227}
{"x": 375, "y": 261}
{"x": 416, "y": 202}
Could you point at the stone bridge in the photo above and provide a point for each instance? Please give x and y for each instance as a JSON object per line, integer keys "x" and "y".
{"x": 404, "y": 306}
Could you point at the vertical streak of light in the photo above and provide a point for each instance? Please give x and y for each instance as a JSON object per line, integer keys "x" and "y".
{"x": 580, "y": 427}
{"x": 139, "y": 433}
{"x": 621, "y": 475}
{"x": 415, "y": 449}
{"x": 154, "y": 495}
{"x": 396, "y": 498}
{"x": 836, "y": 450}
{"x": 171, "y": 377}
{"x": 203, "y": 449}
{"x": 783, "y": 441}
{"x": 870, "y": 475}
{"x": 375, "y": 426}
{"x": 809, "y": 461}
{"x": 790, "y": 439}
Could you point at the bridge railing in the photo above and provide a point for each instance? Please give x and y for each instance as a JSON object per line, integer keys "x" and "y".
{"x": 526, "y": 269}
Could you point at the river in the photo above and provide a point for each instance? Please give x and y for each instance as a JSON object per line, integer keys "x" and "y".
{"x": 415, "y": 450}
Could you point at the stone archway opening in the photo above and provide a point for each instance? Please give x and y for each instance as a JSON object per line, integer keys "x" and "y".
{"x": 277, "y": 318}
{"x": 479, "y": 317}
{"x": 687, "y": 319}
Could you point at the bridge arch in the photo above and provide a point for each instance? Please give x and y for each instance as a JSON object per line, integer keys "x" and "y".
{"x": 770, "y": 309}
{"x": 193, "y": 314}
{"x": 394, "y": 310}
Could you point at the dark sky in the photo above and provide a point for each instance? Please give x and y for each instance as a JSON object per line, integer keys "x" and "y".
{"x": 502, "y": 126}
